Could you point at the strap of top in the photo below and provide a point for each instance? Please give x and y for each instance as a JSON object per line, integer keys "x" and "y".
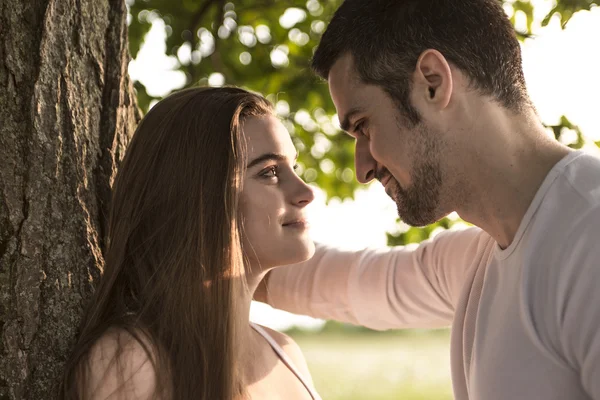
{"x": 285, "y": 358}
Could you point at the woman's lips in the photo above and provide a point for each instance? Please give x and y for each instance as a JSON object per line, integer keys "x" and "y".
{"x": 296, "y": 224}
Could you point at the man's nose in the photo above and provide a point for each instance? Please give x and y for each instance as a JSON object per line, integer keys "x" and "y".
{"x": 364, "y": 162}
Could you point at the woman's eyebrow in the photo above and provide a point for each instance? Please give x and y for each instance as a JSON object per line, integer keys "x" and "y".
{"x": 268, "y": 157}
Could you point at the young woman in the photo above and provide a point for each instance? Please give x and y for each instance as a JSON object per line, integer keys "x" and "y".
{"x": 205, "y": 202}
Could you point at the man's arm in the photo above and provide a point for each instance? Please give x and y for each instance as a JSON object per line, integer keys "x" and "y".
{"x": 398, "y": 287}
{"x": 579, "y": 303}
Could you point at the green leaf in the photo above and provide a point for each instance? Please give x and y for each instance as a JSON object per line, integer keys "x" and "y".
{"x": 292, "y": 82}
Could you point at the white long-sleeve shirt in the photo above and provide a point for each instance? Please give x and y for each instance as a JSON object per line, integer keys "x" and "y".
{"x": 525, "y": 320}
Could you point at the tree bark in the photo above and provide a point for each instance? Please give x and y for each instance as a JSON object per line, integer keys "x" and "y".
{"x": 67, "y": 111}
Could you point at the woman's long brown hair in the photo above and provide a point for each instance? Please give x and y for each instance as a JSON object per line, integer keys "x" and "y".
{"x": 173, "y": 259}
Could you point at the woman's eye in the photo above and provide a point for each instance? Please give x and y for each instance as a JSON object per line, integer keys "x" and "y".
{"x": 270, "y": 172}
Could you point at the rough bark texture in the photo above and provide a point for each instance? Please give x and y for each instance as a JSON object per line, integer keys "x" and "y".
{"x": 67, "y": 110}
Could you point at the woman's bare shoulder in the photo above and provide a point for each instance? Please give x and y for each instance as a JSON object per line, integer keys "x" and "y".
{"x": 292, "y": 350}
{"x": 120, "y": 368}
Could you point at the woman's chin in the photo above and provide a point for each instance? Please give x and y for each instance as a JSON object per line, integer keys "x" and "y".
{"x": 285, "y": 254}
{"x": 301, "y": 252}
{"x": 310, "y": 250}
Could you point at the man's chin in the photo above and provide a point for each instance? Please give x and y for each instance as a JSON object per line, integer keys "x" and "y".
{"x": 414, "y": 222}
{"x": 415, "y": 218}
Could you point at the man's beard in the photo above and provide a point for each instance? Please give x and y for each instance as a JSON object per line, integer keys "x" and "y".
{"x": 418, "y": 204}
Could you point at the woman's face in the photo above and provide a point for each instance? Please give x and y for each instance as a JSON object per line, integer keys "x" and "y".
{"x": 273, "y": 197}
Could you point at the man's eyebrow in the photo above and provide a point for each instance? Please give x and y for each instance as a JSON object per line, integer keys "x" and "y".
{"x": 268, "y": 157}
{"x": 345, "y": 124}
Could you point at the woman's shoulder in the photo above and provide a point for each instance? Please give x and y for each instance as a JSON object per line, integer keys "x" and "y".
{"x": 291, "y": 349}
{"x": 120, "y": 366}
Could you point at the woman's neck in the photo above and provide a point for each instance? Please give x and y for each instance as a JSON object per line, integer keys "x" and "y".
{"x": 254, "y": 351}
{"x": 252, "y": 281}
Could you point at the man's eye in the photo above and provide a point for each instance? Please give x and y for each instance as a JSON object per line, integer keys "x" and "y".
{"x": 360, "y": 128}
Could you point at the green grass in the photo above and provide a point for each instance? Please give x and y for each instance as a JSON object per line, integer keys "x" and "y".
{"x": 373, "y": 366}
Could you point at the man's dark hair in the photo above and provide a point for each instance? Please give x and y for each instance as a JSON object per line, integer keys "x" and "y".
{"x": 386, "y": 38}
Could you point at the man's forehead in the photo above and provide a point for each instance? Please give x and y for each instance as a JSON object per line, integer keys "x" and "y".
{"x": 344, "y": 71}
{"x": 345, "y": 85}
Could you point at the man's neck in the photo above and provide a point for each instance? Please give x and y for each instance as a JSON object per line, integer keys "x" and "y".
{"x": 504, "y": 176}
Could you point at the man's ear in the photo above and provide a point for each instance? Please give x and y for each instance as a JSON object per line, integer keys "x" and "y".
{"x": 432, "y": 79}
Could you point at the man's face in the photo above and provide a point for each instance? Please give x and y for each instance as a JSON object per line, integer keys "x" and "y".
{"x": 404, "y": 158}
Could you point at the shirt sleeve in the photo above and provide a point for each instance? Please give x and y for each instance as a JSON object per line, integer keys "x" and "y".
{"x": 579, "y": 306}
{"x": 397, "y": 287}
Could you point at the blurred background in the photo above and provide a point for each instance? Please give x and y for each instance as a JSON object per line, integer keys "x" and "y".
{"x": 266, "y": 46}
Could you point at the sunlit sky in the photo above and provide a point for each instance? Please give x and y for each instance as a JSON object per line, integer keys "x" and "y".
{"x": 573, "y": 54}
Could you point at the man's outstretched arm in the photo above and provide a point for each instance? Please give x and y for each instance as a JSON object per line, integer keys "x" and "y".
{"x": 400, "y": 287}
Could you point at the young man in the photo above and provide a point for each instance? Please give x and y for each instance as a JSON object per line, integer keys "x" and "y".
{"x": 434, "y": 94}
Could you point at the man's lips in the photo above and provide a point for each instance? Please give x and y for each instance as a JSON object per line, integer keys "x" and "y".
{"x": 385, "y": 180}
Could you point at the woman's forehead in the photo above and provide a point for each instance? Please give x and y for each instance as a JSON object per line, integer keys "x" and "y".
{"x": 267, "y": 135}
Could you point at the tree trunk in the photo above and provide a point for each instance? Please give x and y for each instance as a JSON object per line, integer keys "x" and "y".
{"x": 67, "y": 111}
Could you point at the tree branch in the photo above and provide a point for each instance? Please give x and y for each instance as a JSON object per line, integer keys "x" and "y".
{"x": 197, "y": 17}
{"x": 215, "y": 58}
{"x": 195, "y": 21}
{"x": 259, "y": 6}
